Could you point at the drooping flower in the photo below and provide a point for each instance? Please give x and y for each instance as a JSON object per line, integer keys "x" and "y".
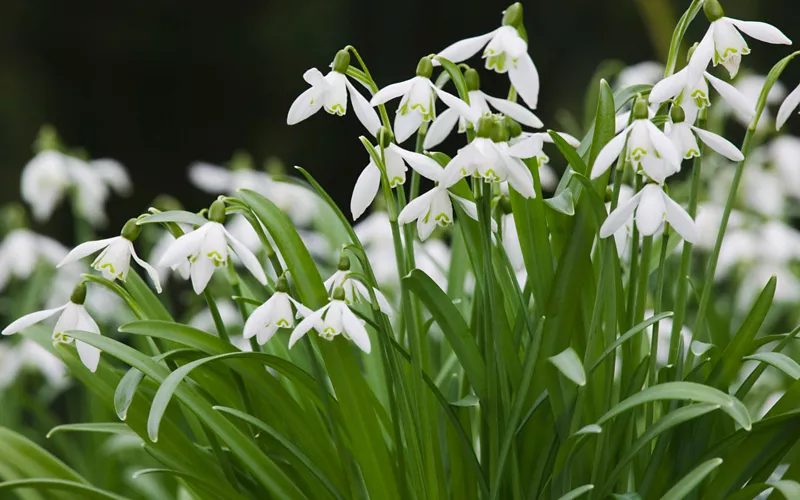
{"x": 643, "y": 73}
{"x": 334, "y": 318}
{"x": 73, "y": 317}
{"x": 21, "y": 250}
{"x": 723, "y": 44}
{"x": 354, "y": 290}
{"x": 505, "y": 52}
{"x": 330, "y": 92}
{"x": 652, "y": 206}
{"x": 206, "y": 248}
{"x": 682, "y": 134}
{"x": 273, "y": 314}
{"x": 789, "y": 105}
{"x": 114, "y": 260}
{"x": 417, "y": 103}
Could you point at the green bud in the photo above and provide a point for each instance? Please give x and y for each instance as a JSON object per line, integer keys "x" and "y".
{"x": 47, "y": 139}
{"x": 485, "y": 124}
{"x": 217, "y": 212}
{"x": 385, "y": 137}
{"x": 274, "y": 166}
{"x": 499, "y": 131}
{"x": 282, "y": 285}
{"x": 13, "y": 216}
{"x": 338, "y": 294}
{"x": 609, "y": 194}
{"x": 344, "y": 262}
{"x": 473, "y": 79}
{"x": 640, "y": 110}
{"x": 241, "y": 160}
{"x": 713, "y": 10}
{"x": 78, "y": 296}
{"x": 130, "y": 231}
{"x": 505, "y": 205}
{"x": 677, "y": 114}
{"x": 513, "y": 15}
{"x": 341, "y": 62}
{"x": 425, "y": 67}
{"x": 513, "y": 127}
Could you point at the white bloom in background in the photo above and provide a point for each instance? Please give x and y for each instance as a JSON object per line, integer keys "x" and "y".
{"x": 330, "y": 92}
{"x": 206, "y": 248}
{"x": 664, "y": 338}
{"x": 228, "y": 311}
{"x": 273, "y": 314}
{"x": 505, "y": 52}
{"x": 784, "y": 152}
{"x": 417, "y": 103}
{"x": 750, "y": 86}
{"x": 22, "y": 249}
{"x": 334, "y": 318}
{"x": 114, "y": 260}
{"x": 643, "y": 73}
{"x": 723, "y": 44}
{"x": 27, "y": 355}
{"x": 73, "y": 317}
{"x": 764, "y": 190}
{"x": 788, "y": 106}
{"x": 652, "y": 206}
{"x": 709, "y": 219}
{"x": 682, "y": 134}
{"x": 354, "y": 290}
{"x": 113, "y": 174}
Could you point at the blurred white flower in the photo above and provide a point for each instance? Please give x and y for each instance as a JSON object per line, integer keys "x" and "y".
{"x": 750, "y": 86}
{"x": 643, "y": 73}
{"x": 652, "y": 207}
{"x": 228, "y": 311}
{"x": 27, "y": 355}
{"x": 788, "y": 106}
{"x": 22, "y": 249}
{"x": 664, "y": 338}
{"x": 708, "y": 220}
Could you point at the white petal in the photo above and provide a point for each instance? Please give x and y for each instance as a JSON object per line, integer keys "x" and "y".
{"x": 383, "y": 304}
{"x": 307, "y": 324}
{"x": 392, "y": 91}
{"x": 151, "y": 271}
{"x": 650, "y": 214}
{"x": 113, "y": 173}
{"x": 365, "y": 113}
{"x": 519, "y": 177}
{"x": 31, "y": 319}
{"x": 90, "y": 356}
{"x": 680, "y": 219}
{"x": 619, "y": 216}
{"x": 85, "y": 250}
{"x": 249, "y": 260}
{"x": 258, "y": 319}
{"x": 183, "y": 247}
{"x": 201, "y": 269}
{"x": 719, "y": 144}
{"x": 525, "y": 78}
{"x": 701, "y": 57}
{"x": 663, "y": 146}
{"x": 355, "y": 330}
{"x": 440, "y": 128}
{"x": 406, "y": 124}
{"x": 453, "y": 102}
{"x": 464, "y": 49}
{"x": 668, "y": 87}
{"x": 736, "y": 99}
{"x": 761, "y": 31}
{"x": 425, "y": 227}
{"x": 572, "y": 141}
{"x": 306, "y": 104}
{"x": 461, "y": 165}
{"x": 416, "y": 208}
{"x": 210, "y": 178}
{"x": 469, "y": 207}
{"x": 315, "y": 78}
{"x": 530, "y": 147}
{"x": 789, "y": 105}
{"x": 424, "y": 165}
{"x": 516, "y": 111}
{"x": 609, "y": 153}
{"x": 365, "y": 190}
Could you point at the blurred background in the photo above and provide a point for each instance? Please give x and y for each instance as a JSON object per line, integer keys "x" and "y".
{"x": 160, "y": 84}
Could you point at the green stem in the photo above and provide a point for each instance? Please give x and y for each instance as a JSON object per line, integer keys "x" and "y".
{"x": 218, "y": 323}
{"x": 373, "y": 87}
{"x": 656, "y": 310}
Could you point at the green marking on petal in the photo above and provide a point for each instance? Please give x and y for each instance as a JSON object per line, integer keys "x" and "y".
{"x": 283, "y": 323}
{"x": 638, "y": 153}
{"x": 396, "y": 181}
{"x": 443, "y": 219}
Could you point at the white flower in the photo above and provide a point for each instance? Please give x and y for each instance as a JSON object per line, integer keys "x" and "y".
{"x": 723, "y": 44}
{"x": 355, "y": 291}
{"x": 494, "y": 162}
{"x": 643, "y": 73}
{"x": 369, "y": 181}
{"x": 682, "y": 135}
{"x": 788, "y": 106}
{"x": 692, "y": 93}
{"x": 73, "y": 317}
{"x": 113, "y": 174}
{"x": 480, "y": 102}
{"x": 22, "y": 249}
{"x": 333, "y": 319}
{"x": 206, "y": 248}
{"x": 417, "y": 104}
{"x": 750, "y": 86}
{"x": 648, "y": 149}
{"x": 505, "y": 52}
{"x": 330, "y": 92}
{"x": 652, "y": 206}
{"x": 28, "y": 355}
{"x": 157, "y": 252}
{"x": 784, "y": 152}
{"x": 708, "y": 220}
{"x": 622, "y": 236}
{"x": 511, "y": 242}
{"x": 532, "y": 145}
{"x": 273, "y": 314}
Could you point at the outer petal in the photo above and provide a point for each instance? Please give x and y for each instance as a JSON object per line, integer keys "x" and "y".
{"x": 733, "y": 97}
{"x": 201, "y": 270}
{"x": 89, "y": 355}
{"x": 525, "y": 78}
{"x": 761, "y": 31}
{"x": 306, "y": 104}
{"x": 365, "y": 190}
{"x": 668, "y": 87}
{"x": 425, "y": 227}
{"x": 151, "y": 271}
{"x": 719, "y": 144}
{"x": 619, "y": 216}
{"x": 464, "y": 49}
{"x": 249, "y": 260}
{"x": 365, "y": 113}
{"x": 440, "y": 128}
{"x": 315, "y": 78}
{"x": 392, "y": 91}
{"x": 469, "y": 208}
{"x": 789, "y": 105}
{"x": 31, "y": 319}
{"x": 679, "y": 219}
{"x": 416, "y": 208}
{"x": 183, "y": 247}
{"x": 257, "y": 320}
{"x": 663, "y": 146}
{"x": 85, "y": 250}
{"x": 572, "y": 141}
{"x": 529, "y": 147}
{"x": 701, "y": 57}
{"x": 515, "y": 111}
{"x": 453, "y": 102}
{"x": 519, "y": 177}
{"x": 355, "y": 330}
{"x": 307, "y": 324}
{"x": 406, "y": 124}
{"x": 650, "y": 214}
{"x": 609, "y": 153}
{"x": 424, "y": 165}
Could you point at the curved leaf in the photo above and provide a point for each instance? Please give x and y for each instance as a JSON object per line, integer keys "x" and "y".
{"x": 180, "y": 216}
{"x": 577, "y": 492}
{"x": 780, "y": 361}
{"x": 570, "y": 365}
{"x": 457, "y": 77}
{"x": 691, "y": 480}
{"x": 627, "y": 335}
{"x": 103, "y": 428}
{"x": 85, "y": 490}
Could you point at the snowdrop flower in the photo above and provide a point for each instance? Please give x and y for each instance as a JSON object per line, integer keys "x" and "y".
{"x": 784, "y": 152}
{"x": 788, "y": 106}
{"x": 480, "y": 102}
{"x": 333, "y": 319}
{"x": 21, "y": 250}
{"x": 723, "y": 44}
{"x": 354, "y": 290}
{"x": 652, "y": 207}
{"x": 750, "y": 86}
{"x": 532, "y": 145}
{"x": 622, "y": 236}
{"x": 273, "y": 314}
{"x": 73, "y": 317}
{"x": 28, "y": 355}
{"x": 114, "y": 260}
{"x": 643, "y": 73}
{"x": 206, "y": 248}
{"x": 330, "y": 92}
{"x": 157, "y": 252}
{"x": 417, "y": 101}
{"x": 648, "y": 148}
{"x": 511, "y": 242}
{"x": 113, "y": 174}
{"x": 505, "y": 52}
{"x": 228, "y": 311}
{"x": 682, "y": 135}
{"x": 709, "y": 219}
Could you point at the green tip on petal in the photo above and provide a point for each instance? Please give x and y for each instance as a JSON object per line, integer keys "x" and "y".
{"x": 130, "y": 231}
{"x": 513, "y": 15}
{"x": 473, "y": 79}
{"x": 78, "y": 294}
{"x": 425, "y": 67}
{"x": 341, "y": 62}
{"x": 485, "y": 125}
{"x": 217, "y": 212}
{"x": 677, "y": 114}
{"x": 338, "y": 294}
{"x": 713, "y": 10}
{"x": 385, "y": 137}
{"x": 640, "y": 111}
{"x": 344, "y": 262}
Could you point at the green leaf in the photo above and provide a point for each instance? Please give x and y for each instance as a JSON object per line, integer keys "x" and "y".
{"x": 457, "y": 77}
{"x": 692, "y": 480}
{"x": 677, "y": 35}
{"x": 570, "y": 365}
{"x": 621, "y": 98}
{"x": 570, "y": 153}
{"x": 684, "y": 390}
{"x": 562, "y": 203}
{"x": 180, "y": 216}
{"x": 85, "y": 490}
{"x": 31, "y": 460}
{"x": 627, "y": 335}
{"x": 578, "y": 492}
{"x": 146, "y": 298}
{"x": 103, "y": 428}
{"x": 789, "y": 489}
{"x": 604, "y": 124}
{"x": 780, "y": 361}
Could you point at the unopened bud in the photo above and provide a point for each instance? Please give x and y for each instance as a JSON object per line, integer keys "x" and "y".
{"x": 385, "y": 137}
{"x": 713, "y": 10}
{"x": 130, "y": 231}
{"x": 341, "y": 62}
{"x": 344, "y": 262}
{"x": 78, "y": 296}
{"x": 485, "y": 125}
{"x": 513, "y": 15}
{"x": 473, "y": 79}
{"x": 165, "y": 202}
{"x": 425, "y": 67}
{"x": 676, "y": 114}
{"x": 217, "y": 212}
{"x": 640, "y": 110}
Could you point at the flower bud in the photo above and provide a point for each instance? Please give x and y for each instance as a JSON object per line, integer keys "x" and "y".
{"x": 130, "y": 231}
{"x": 338, "y": 294}
{"x": 385, "y": 137}
{"x": 676, "y": 114}
{"x": 282, "y": 286}
{"x": 344, "y": 262}
{"x": 47, "y": 139}
{"x": 341, "y": 62}
{"x": 640, "y": 110}
{"x": 485, "y": 124}
{"x": 425, "y": 67}
{"x": 473, "y": 79}
{"x": 499, "y": 131}
{"x": 513, "y": 127}
{"x": 78, "y": 296}
{"x": 512, "y": 16}
{"x": 609, "y": 195}
{"x": 713, "y": 10}
{"x": 217, "y": 212}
